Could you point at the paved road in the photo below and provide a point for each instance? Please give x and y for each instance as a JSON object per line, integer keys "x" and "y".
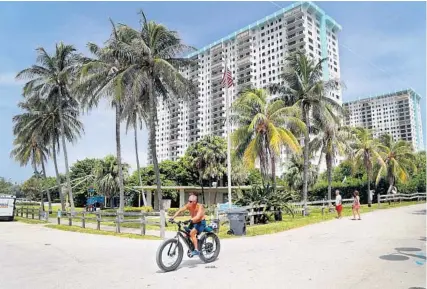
{"x": 335, "y": 254}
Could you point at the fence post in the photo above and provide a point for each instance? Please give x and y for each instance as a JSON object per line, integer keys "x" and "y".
{"x": 142, "y": 223}
{"x": 323, "y": 206}
{"x": 22, "y": 212}
{"x": 162, "y": 221}
{"x": 70, "y": 219}
{"x": 58, "y": 214}
{"x": 26, "y": 212}
{"x": 40, "y": 214}
{"x": 252, "y": 218}
{"x": 98, "y": 220}
{"x": 379, "y": 200}
{"x": 32, "y": 213}
{"x": 117, "y": 222}
{"x": 83, "y": 220}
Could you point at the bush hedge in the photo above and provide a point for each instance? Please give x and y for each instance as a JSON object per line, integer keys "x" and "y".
{"x": 132, "y": 209}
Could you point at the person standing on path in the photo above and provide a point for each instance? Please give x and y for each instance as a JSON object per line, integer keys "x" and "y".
{"x": 356, "y": 205}
{"x": 338, "y": 203}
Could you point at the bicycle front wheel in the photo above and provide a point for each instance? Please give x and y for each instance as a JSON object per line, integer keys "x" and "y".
{"x": 169, "y": 255}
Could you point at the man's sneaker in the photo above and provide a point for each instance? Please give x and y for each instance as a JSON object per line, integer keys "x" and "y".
{"x": 195, "y": 253}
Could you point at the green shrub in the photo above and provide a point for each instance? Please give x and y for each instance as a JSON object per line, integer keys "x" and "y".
{"x": 172, "y": 212}
{"x": 131, "y": 209}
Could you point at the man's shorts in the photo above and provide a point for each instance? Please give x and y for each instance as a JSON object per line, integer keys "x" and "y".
{"x": 339, "y": 208}
{"x": 200, "y": 227}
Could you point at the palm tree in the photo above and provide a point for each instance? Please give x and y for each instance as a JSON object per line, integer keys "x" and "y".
{"x": 208, "y": 156}
{"x": 294, "y": 173}
{"x": 107, "y": 175}
{"x": 29, "y": 148}
{"x": 304, "y": 87}
{"x": 331, "y": 139}
{"x": 367, "y": 150}
{"x": 51, "y": 78}
{"x": 263, "y": 129}
{"x": 41, "y": 117}
{"x": 157, "y": 54}
{"x": 399, "y": 160}
{"x": 134, "y": 112}
{"x": 107, "y": 75}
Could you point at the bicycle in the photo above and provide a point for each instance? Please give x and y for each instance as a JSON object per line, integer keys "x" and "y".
{"x": 209, "y": 251}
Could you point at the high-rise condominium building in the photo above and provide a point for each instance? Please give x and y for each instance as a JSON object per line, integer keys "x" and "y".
{"x": 397, "y": 113}
{"x": 255, "y": 56}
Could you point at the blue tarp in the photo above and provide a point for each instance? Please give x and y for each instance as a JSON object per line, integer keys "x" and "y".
{"x": 93, "y": 200}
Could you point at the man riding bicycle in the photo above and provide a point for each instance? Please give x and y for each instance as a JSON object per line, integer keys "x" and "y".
{"x": 197, "y": 221}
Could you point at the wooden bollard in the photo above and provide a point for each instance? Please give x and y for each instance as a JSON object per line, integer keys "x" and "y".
{"x": 83, "y": 220}
{"x": 118, "y": 223}
{"x": 142, "y": 224}
{"x": 98, "y": 221}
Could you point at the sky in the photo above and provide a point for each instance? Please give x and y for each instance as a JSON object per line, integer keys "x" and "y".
{"x": 382, "y": 49}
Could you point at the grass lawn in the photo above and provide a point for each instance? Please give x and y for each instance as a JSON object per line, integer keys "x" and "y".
{"x": 29, "y": 221}
{"x": 314, "y": 217}
{"x": 96, "y": 232}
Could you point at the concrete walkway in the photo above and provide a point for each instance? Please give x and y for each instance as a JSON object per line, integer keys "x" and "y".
{"x": 384, "y": 250}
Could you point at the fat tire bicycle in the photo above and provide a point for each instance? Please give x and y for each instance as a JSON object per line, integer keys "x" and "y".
{"x": 209, "y": 251}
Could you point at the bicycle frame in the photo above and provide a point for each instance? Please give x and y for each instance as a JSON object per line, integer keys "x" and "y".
{"x": 182, "y": 234}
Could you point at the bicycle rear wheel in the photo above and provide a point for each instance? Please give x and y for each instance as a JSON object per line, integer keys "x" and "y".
{"x": 169, "y": 249}
{"x": 209, "y": 247}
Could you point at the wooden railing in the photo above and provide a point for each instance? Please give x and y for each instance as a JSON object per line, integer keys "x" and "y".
{"x": 393, "y": 198}
{"x": 98, "y": 217}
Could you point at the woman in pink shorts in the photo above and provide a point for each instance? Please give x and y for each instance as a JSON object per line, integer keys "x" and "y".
{"x": 356, "y": 205}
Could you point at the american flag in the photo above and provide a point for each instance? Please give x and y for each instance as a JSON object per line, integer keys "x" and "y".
{"x": 227, "y": 79}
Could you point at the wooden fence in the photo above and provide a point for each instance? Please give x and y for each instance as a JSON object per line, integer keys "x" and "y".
{"x": 140, "y": 218}
{"x": 25, "y": 212}
{"x": 393, "y": 198}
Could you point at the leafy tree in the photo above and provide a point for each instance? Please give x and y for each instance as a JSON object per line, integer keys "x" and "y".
{"x": 5, "y": 186}
{"x": 51, "y": 79}
{"x": 399, "y": 160}
{"x": 263, "y": 131}
{"x": 82, "y": 174}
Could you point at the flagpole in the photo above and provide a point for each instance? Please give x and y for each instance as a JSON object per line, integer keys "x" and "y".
{"x": 227, "y": 120}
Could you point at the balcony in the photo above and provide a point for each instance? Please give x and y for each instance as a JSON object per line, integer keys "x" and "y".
{"x": 244, "y": 69}
{"x": 244, "y": 60}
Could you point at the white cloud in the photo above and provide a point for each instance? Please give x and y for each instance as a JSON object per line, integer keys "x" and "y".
{"x": 8, "y": 79}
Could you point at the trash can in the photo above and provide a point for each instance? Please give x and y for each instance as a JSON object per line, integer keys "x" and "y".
{"x": 237, "y": 218}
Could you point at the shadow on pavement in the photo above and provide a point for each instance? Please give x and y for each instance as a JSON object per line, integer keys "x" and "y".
{"x": 393, "y": 257}
{"x": 422, "y": 212}
{"x": 193, "y": 263}
{"x": 423, "y": 239}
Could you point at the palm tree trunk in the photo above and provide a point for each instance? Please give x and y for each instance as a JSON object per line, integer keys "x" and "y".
{"x": 391, "y": 183}
{"x": 273, "y": 171}
{"x": 152, "y": 122}
{"x": 58, "y": 180}
{"x": 329, "y": 172}
{"x": 369, "y": 187}
{"x": 119, "y": 157}
{"x": 49, "y": 200}
{"x": 64, "y": 149}
{"x": 135, "y": 126}
{"x": 306, "y": 119}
